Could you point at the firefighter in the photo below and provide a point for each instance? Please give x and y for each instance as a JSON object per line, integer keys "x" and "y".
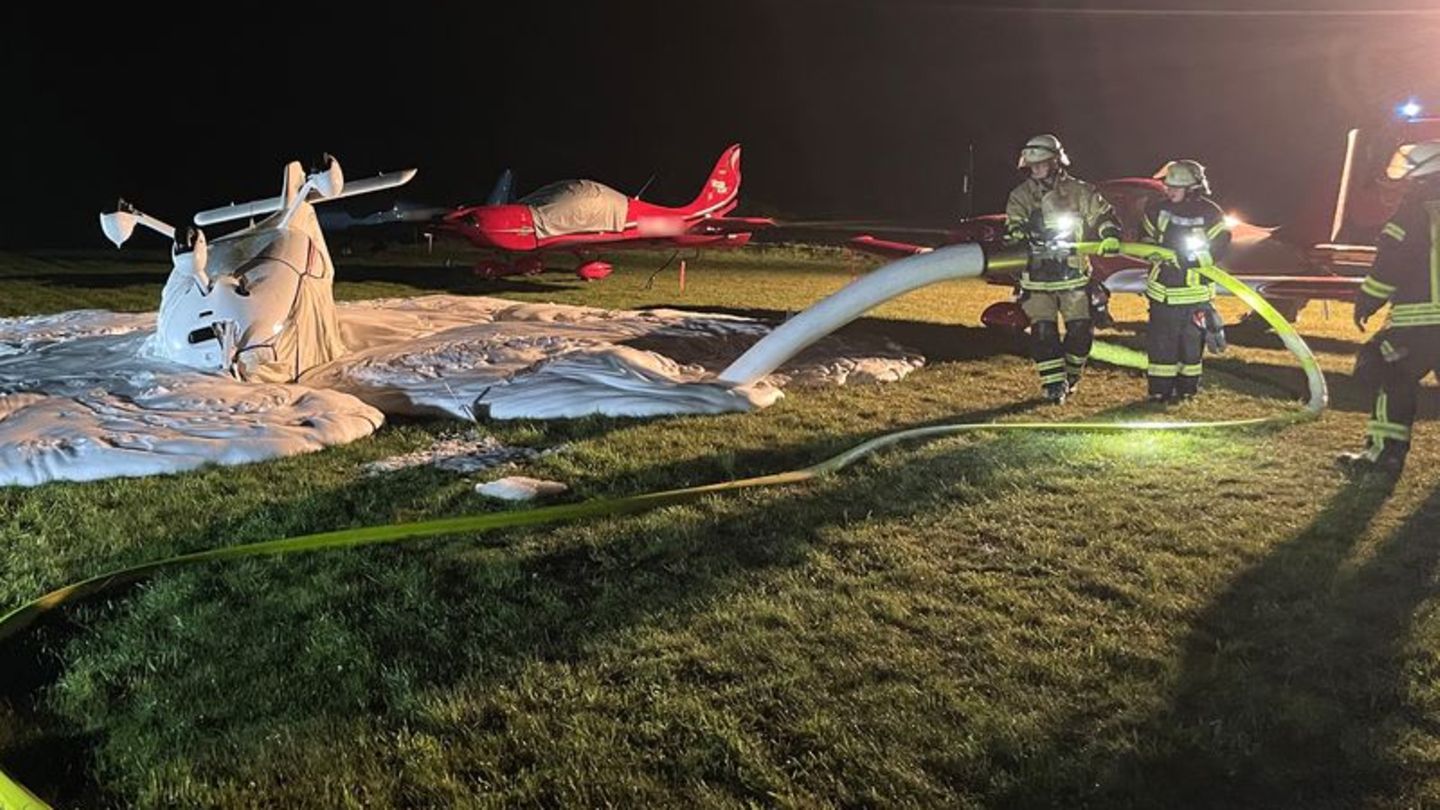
{"x": 1051, "y": 211}
{"x": 1406, "y": 275}
{"x": 1182, "y": 319}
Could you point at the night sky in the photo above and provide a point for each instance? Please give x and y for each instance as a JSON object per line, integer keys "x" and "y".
{"x": 846, "y": 109}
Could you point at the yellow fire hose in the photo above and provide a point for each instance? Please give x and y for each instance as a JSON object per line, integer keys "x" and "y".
{"x": 14, "y": 796}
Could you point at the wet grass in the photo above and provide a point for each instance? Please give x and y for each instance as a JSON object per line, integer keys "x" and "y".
{"x": 1178, "y": 620}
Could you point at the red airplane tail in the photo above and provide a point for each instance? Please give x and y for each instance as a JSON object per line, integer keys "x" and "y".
{"x": 1350, "y": 206}
{"x": 721, "y": 188}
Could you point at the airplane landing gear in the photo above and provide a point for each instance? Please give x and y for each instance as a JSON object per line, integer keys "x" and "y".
{"x": 594, "y": 270}
{"x": 1006, "y": 316}
{"x": 492, "y": 269}
{"x": 498, "y": 268}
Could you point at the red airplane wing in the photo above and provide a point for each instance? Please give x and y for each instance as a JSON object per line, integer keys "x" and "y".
{"x": 1305, "y": 288}
{"x": 885, "y": 248}
{"x": 636, "y": 239}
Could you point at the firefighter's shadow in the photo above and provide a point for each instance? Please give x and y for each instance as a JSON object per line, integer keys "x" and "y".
{"x": 938, "y": 342}
{"x": 1346, "y": 394}
{"x": 1255, "y": 334}
{"x": 1293, "y": 684}
{"x": 1250, "y": 333}
{"x": 1258, "y": 378}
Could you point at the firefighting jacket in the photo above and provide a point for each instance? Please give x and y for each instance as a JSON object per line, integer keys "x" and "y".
{"x": 1051, "y": 212}
{"x": 1407, "y": 264}
{"x": 1196, "y": 230}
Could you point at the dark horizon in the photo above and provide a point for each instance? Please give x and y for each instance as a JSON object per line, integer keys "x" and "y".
{"x": 846, "y": 109}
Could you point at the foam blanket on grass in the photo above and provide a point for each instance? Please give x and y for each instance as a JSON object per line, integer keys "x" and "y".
{"x": 81, "y": 398}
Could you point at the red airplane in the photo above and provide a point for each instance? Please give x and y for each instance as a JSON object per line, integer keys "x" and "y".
{"x": 583, "y": 216}
{"x": 1323, "y": 254}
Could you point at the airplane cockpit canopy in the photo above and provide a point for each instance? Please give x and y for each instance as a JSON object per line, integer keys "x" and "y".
{"x": 576, "y": 206}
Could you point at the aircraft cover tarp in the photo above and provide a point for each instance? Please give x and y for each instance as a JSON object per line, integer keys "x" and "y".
{"x": 576, "y": 206}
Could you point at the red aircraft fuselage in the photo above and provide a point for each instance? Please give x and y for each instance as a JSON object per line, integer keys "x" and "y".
{"x": 512, "y": 227}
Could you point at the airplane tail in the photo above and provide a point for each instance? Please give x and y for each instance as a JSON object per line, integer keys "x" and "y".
{"x": 1336, "y": 209}
{"x": 1365, "y": 201}
{"x": 721, "y": 188}
{"x": 1349, "y": 206}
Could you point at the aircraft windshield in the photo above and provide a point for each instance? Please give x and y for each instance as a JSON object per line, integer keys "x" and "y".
{"x": 576, "y": 206}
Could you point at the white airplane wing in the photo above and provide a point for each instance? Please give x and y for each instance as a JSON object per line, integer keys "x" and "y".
{"x": 269, "y": 205}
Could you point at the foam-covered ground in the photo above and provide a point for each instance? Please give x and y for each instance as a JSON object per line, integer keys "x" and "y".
{"x": 81, "y": 399}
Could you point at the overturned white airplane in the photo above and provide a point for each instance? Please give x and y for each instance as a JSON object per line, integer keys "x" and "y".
{"x": 257, "y": 303}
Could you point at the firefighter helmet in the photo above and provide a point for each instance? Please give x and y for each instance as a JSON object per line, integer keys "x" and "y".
{"x": 1414, "y": 160}
{"x": 1186, "y": 174}
{"x": 1040, "y": 149}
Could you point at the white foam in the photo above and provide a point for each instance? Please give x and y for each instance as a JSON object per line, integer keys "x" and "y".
{"x": 463, "y": 356}
{"x": 169, "y": 426}
{"x": 519, "y": 488}
{"x": 79, "y": 400}
{"x": 617, "y": 381}
{"x": 19, "y": 335}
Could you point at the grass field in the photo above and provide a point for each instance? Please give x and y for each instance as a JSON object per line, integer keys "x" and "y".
{"x": 1161, "y": 620}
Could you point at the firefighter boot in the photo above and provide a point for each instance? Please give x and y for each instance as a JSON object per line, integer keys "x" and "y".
{"x": 1056, "y": 392}
{"x": 1388, "y": 460}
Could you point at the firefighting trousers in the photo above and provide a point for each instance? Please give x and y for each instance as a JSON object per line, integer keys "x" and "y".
{"x": 1390, "y": 368}
{"x": 1175, "y": 342}
{"x": 1058, "y": 359}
